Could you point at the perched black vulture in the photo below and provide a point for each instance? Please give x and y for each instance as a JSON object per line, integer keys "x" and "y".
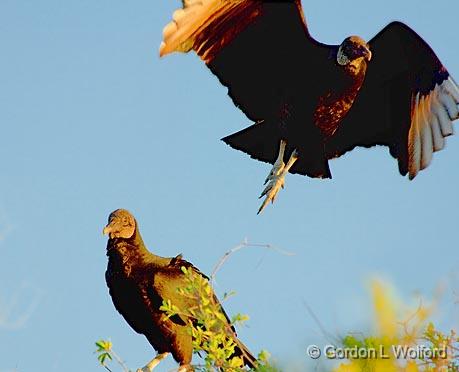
{"x": 312, "y": 102}
{"x": 139, "y": 281}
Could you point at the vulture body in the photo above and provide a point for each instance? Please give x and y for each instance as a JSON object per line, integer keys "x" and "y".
{"x": 311, "y": 102}
{"x": 139, "y": 281}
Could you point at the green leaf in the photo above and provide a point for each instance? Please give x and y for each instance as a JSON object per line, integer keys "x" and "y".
{"x": 102, "y": 357}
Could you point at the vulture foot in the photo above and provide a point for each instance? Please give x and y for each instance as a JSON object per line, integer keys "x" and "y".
{"x": 279, "y": 165}
{"x": 276, "y": 178}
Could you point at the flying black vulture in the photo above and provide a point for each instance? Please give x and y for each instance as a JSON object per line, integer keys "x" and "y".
{"x": 312, "y": 102}
{"x": 139, "y": 281}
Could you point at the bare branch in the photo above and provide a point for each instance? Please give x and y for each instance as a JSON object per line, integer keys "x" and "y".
{"x": 330, "y": 337}
{"x": 244, "y": 244}
{"x": 119, "y": 361}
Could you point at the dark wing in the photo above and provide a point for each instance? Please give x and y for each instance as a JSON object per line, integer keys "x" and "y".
{"x": 178, "y": 262}
{"x": 258, "y": 49}
{"x": 407, "y": 102}
{"x": 166, "y": 285}
{"x": 168, "y": 280}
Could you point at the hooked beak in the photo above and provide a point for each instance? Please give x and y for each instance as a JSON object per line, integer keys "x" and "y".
{"x": 107, "y": 230}
{"x": 368, "y": 55}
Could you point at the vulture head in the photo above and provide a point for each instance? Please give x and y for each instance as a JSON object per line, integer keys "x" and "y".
{"x": 353, "y": 54}
{"x": 121, "y": 224}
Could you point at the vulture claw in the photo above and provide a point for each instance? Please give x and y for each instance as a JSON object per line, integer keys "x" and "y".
{"x": 279, "y": 165}
{"x": 275, "y": 184}
{"x": 276, "y": 180}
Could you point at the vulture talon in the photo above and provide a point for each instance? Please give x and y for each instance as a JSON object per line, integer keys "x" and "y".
{"x": 319, "y": 96}
{"x": 277, "y": 169}
{"x": 278, "y": 165}
{"x": 271, "y": 190}
{"x": 277, "y": 180}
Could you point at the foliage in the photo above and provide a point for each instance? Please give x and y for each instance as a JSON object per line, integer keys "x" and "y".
{"x": 105, "y": 354}
{"x": 402, "y": 343}
{"x": 213, "y": 335}
{"x": 398, "y": 330}
{"x": 103, "y": 351}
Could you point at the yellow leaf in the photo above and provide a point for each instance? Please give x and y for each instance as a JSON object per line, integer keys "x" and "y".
{"x": 349, "y": 367}
{"x": 411, "y": 366}
{"x": 386, "y": 318}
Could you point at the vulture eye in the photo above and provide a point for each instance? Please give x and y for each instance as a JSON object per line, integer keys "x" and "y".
{"x": 426, "y": 91}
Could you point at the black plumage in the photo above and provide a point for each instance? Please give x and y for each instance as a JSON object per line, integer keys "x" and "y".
{"x": 139, "y": 281}
{"x": 313, "y": 100}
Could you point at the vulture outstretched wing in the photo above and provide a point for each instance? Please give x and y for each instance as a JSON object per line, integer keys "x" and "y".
{"x": 243, "y": 42}
{"x": 407, "y": 102}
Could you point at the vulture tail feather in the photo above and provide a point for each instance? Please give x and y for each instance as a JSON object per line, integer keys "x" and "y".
{"x": 243, "y": 352}
{"x": 261, "y": 141}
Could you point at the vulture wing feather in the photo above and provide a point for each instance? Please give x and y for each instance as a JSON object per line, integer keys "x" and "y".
{"x": 403, "y": 75}
{"x": 257, "y": 49}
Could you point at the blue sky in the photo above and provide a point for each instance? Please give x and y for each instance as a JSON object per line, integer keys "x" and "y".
{"x": 92, "y": 120}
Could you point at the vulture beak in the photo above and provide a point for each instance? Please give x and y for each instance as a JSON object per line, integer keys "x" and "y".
{"x": 367, "y": 53}
{"x": 107, "y": 230}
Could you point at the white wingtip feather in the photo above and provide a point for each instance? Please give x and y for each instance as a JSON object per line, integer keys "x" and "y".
{"x": 414, "y": 151}
{"x": 437, "y": 136}
{"x": 448, "y": 102}
{"x": 426, "y": 133}
{"x": 452, "y": 88}
{"x": 186, "y": 22}
{"x": 162, "y": 48}
{"x": 169, "y": 30}
{"x": 443, "y": 117}
{"x": 178, "y": 15}
{"x": 431, "y": 121}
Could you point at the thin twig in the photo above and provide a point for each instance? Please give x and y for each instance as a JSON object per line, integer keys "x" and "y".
{"x": 325, "y": 333}
{"x": 120, "y": 361}
{"x": 244, "y": 244}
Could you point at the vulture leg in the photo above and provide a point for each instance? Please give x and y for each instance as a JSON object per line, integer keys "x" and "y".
{"x": 279, "y": 164}
{"x": 276, "y": 178}
{"x": 150, "y": 366}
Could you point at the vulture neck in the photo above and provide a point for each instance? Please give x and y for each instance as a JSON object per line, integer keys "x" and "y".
{"x": 127, "y": 249}
{"x": 137, "y": 241}
{"x": 333, "y": 106}
{"x": 356, "y": 70}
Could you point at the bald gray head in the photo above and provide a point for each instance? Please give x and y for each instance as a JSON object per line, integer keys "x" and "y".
{"x": 352, "y": 52}
{"x": 121, "y": 224}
